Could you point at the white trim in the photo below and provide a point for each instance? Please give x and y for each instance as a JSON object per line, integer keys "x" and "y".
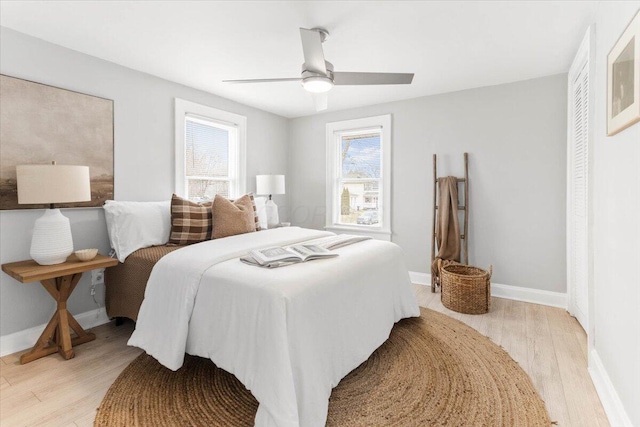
{"x": 225, "y": 118}
{"x": 418, "y": 278}
{"x": 585, "y": 57}
{"x": 535, "y": 296}
{"x": 360, "y": 231}
{"x": 517, "y": 293}
{"x": 382, "y": 123}
{"x": 611, "y": 402}
{"x": 25, "y": 339}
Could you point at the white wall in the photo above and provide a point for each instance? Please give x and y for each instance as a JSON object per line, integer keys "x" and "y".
{"x": 144, "y": 157}
{"x": 616, "y": 227}
{"x": 516, "y": 138}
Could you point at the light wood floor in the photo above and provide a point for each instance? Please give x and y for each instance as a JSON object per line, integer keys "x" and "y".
{"x": 547, "y": 343}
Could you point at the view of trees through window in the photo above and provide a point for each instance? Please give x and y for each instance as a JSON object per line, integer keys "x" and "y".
{"x": 360, "y": 201}
{"x": 207, "y": 160}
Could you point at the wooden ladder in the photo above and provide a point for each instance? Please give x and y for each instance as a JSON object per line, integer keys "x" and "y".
{"x": 465, "y": 209}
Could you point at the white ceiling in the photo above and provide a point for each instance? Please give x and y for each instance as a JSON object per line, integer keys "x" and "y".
{"x": 448, "y": 45}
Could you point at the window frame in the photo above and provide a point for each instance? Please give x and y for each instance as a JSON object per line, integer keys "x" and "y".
{"x": 237, "y": 149}
{"x": 334, "y": 133}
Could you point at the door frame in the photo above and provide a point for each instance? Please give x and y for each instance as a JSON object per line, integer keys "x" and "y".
{"x": 586, "y": 53}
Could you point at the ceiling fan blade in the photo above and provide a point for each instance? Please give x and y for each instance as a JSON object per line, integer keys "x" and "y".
{"x": 347, "y": 78}
{"x": 320, "y": 100}
{"x": 293, "y": 79}
{"x": 313, "y": 53}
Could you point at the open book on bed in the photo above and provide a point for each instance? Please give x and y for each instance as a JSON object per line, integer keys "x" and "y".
{"x": 277, "y": 256}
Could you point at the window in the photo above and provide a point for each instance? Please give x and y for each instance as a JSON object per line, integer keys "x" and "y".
{"x": 358, "y": 176}
{"x": 210, "y": 152}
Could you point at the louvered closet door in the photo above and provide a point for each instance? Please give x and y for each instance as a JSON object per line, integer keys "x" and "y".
{"x": 579, "y": 174}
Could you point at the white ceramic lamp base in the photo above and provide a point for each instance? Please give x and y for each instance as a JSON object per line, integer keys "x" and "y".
{"x": 273, "y": 218}
{"x": 51, "y": 242}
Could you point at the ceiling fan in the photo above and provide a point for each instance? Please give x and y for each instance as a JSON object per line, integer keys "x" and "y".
{"x": 318, "y": 76}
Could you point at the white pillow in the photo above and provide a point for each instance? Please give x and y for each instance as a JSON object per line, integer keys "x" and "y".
{"x": 261, "y": 210}
{"x": 137, "y": 225}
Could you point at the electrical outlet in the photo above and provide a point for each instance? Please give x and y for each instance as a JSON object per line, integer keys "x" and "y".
{"x": 97, "y": 277}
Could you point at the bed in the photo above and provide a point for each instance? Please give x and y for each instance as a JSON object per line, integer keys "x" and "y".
{"x": 126, "y": 282}
{"x": 288, "y": 334}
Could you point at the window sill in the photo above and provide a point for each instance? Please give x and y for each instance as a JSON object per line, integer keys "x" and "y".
{"x": 379, "y": 234}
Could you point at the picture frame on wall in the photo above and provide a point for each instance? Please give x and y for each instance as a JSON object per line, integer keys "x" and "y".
{"x": 40, "y": 123}
{"x": 623, "y": 80}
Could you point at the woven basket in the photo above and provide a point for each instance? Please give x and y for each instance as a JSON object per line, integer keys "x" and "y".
{"x": 466, "y": 289}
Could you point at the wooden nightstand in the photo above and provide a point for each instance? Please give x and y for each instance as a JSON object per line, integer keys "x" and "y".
{"x": 59, "y": 280}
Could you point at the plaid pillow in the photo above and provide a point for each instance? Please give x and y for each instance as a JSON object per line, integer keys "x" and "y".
{"x": 190, "y": 222}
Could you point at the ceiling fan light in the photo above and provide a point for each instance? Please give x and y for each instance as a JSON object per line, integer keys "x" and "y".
{"x": 317, "y": 84}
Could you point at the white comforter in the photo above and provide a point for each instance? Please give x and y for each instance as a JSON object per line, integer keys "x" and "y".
{"x": 288, "y": 334}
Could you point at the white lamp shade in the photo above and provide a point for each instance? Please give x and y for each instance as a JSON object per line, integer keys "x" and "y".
{"x": 38, "y": 184}
{"x": 270, "y": 184}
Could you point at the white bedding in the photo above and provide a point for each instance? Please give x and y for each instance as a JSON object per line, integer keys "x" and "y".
{"x": 288, "y": 334}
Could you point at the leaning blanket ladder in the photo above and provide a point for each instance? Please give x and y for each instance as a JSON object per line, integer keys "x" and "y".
{"x": 464, "y": 209}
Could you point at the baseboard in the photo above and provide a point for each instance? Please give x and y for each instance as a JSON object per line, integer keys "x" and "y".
{"x": 536, "y": 296}
{"x": 25, "y": 339}
{"x": 420, "y": 278}
{"x": 611, "y": 402}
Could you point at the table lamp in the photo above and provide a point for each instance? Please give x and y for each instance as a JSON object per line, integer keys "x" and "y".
{"x": 270, "y": 184}
{"x": 38, "y": 184}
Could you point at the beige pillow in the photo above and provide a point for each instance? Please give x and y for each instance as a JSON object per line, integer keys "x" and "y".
{"x": 231, "y": 218}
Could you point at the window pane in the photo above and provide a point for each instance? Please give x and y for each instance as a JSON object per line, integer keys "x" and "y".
{"x": 205, "y": 189}
{"x": 207, "y": 150}
{"x": 361, "y": 156}
{"x": 360, "y": 203}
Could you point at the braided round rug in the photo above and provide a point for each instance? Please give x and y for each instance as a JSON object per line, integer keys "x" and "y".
{"x": 432, "y": 371}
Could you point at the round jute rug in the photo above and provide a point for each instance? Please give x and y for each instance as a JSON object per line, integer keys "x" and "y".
{"x": 433, "y": 371}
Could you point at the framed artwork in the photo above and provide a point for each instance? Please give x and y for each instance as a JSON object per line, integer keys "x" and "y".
{"x": 40, "y": 124}
{"x": 623, "y": 80}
